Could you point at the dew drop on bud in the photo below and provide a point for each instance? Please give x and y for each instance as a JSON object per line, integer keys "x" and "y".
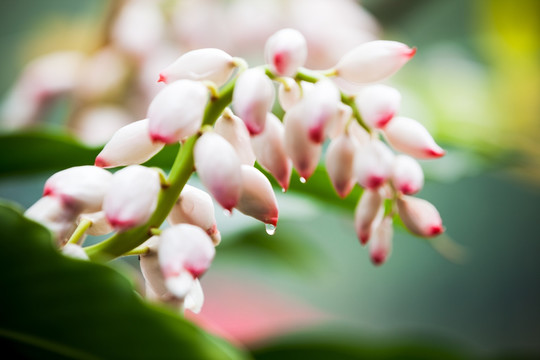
{"x": 228, "y": 213}
{"x": 302, "y": 180}
{"x": 270, "y": 229}
{"x": 283, "y": 190}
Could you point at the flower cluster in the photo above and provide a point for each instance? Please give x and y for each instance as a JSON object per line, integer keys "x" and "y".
{"x": 220, "y": 111}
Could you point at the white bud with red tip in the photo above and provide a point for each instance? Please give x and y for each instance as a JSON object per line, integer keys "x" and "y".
{"x": 253, "y": 97}
{"x": 380, "y": 245}
{"x": 218, "y": 167}
{"x": 420, "y": 216}
{"x": 202, "y": 64}
{"x": 177, "y": 111}
{"x": 368, "y": 210}
{"x": 289, "y": 93}
{"x": 412, "y": 138}
{"x": 373, "y": 61}
{"x": 80, "y": 188}
{"x": 129, "y": 145}
{"x": 233, "y": 129}
{"x": 320, "y": 109}
{"x": 270, "y": 152}
{"x": 285, "y": 51}
{"x": 378, "y": 104}
{"x": 52, "y": 213}
{"x": 194, "y": 206}
{"x": 339, "y": 163}
{"x": 373, "y": 164}
{"x": 131, "y": 199}
{"x": 185, "y": 252}
{"x": 407, "y": 175}
{"x": 258, "y": 199}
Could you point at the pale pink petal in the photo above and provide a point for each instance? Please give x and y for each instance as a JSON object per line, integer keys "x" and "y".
{"x": 368, "y": 209}
{"x": 258, "y": 199}
{"x": 407, "y": 175}
{"x": 339, "y": 163}
{"x": 420, "y": 216}
{"x": 285, "y": 51}
{"x": 380, "y": 245}
{"x": 233, "y": 129}
{"x": 373, "y": 164}
{"x": 378, "y": 104}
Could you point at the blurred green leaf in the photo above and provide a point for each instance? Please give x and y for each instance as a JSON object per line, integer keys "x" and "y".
{"x": 57, "y": 307}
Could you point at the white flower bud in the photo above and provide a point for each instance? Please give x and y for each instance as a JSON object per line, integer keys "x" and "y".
{"x": 373, "y": 61}
{"x": 129, "y": 145}
{"x": 80, "y": 188}
{"x": 359, "y": 133}
{"x": 218, "y": 167}
{"x": 378, "y": 104}
{"x": 407, "y": 175}
{"x": 151, "y": 270}
{"x": 412, "y": 138}
{"x": 258, "y": 199}
{"x": 100, "y": 225}
{"x": 420, "y": 216}
{"x": 369, "y": 208}
{"x": 132, "y": 197}
{"x": 320, "y": 109}
{"x": 253, "y": 97}
{"x": 339, "y": 163}
{"x": 373, "y": 164}
{"x": 51, "y": 212}
{"x": 285, "y": 51}
{"x": 289, "y": 94}
{"x": 177, "y": 111}
{"x": 337, "y": 127}
{"x": 233, "y": 129}
{"x": 380, "y": 245}
{"x": 74, "y": 251}
{"x": 194, "y": 206}
{"x": 270, "y": 152}
{"x": 201, "y": 64}
{"x": 194, "y": 298}
{"x": 303, "y": 152}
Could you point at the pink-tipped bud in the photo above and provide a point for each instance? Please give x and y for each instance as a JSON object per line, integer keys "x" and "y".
{"x": 258, "y": 199}
{"x": 407, "y": 175}
{"x": 380, "y": 245}
{"x": 51, "y": 212}
{"x": 80, "y": 188}
{"x": 339, "y": 163}
{"x": 373, "y": 164}
{"x": 129, "y": 145}
{"x": 412, "y": 138}
{"x": 185, "y": 253}
{"x": 303, "y": 152}
{"x": 289, "y": 93}
{"x": 373, "y": 61}
{"x": 270, "y": 152}
{"x": 320, "y": 109}
{"x": 368, "y": 209}
{"x": 253, "y": 97}
{"x": 177, "y": 111}
{"x": 195, "y": 207}
{"x": 233, "y": 129}
{"x": 132, "y": 197}
{"x": 100, "y": 225}
{"x": 420, "y": 216}
{"x": 378, "y": 104}
{"x": 218, "y": 167}
{"x": 285, "y": 51}
{"x": 201, "y": 64}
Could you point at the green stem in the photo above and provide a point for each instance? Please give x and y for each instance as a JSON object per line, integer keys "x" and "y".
{"x": 349, "y": 100}
{"x": 79, "y": 232}
{"x": 140, "y": 250}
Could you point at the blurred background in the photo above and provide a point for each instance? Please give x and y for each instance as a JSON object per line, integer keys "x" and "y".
{"x": 85, "y": 68}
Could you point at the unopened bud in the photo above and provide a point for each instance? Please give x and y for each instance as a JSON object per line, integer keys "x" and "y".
{"x": 369, "y": 208}
{"x": 378, "y": 104}
{"x": 320, "y": 109}
{"x": 194, "y": 298}
{"x": 51, "y": 212}
{"x": 380, "y": 245}
{"x": 339, "y": 163}
{"x": 285, "y": 51}
{"x": 373, "y": 164}
{"x": 100, "y": 224}
{"x": 289, "y": 93}
{"x": 339, "y": 124}
{"x": 258, "y": 199}
{"x": 420, "y": 216}
{"x": 407, "y": 175}
{"x": 233, "y": 129}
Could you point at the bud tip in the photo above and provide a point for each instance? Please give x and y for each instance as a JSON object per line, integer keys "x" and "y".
{"x": 162, "y": 79}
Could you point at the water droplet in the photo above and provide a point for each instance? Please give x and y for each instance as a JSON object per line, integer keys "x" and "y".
{"x": 270, "y": 229}
{"x": 227, "y": 213}
{"x": 302, "y": 180}
{"x": 283, "y": 190}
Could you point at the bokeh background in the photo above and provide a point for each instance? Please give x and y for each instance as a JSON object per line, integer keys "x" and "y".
{"x": 474, "y": 82}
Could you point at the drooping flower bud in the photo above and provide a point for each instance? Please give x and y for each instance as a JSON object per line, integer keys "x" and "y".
{"x": 132, "y": 197}
{"x": 369, "y": 208}
{"x": 320, "y": 109}
{"x": 201, "y": 64}
{"x": 378, "y": 104}
{"x": 420, "y": 216}
{"x": 218, "y": 167}
{"x": 412, "y": 138}
{"x": 253, "y": 97}
{"x": 151, "y": 270}
{"x": 373, "y": 61}
{"x": 285, "y": 51}
{"x": 303, "y": 152}
{"x": 373, "y": 164}
{"x": 177, "y": 111}
{"x": 194, "y": 206}
{"x": 270, "y": 152}
{"x": 339, "y": 163}
{"x": 289, "y": 93}
{"x": 52, "y": 213}
{"x": 100, "y": 225}
{"x": 185, "y": 253}
{"x": 380, "y": 245}
{"x": 233, "y": 129}
{"x": 258, "y": 199}
{"x": 338, "y": 125}
{"x": 80, "y": 188}
{"x": 407, "y": 175}
{"x": 129, "y": 145}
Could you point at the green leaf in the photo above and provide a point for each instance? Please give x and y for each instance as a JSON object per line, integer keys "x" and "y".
{"x": 58, "y": 307}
